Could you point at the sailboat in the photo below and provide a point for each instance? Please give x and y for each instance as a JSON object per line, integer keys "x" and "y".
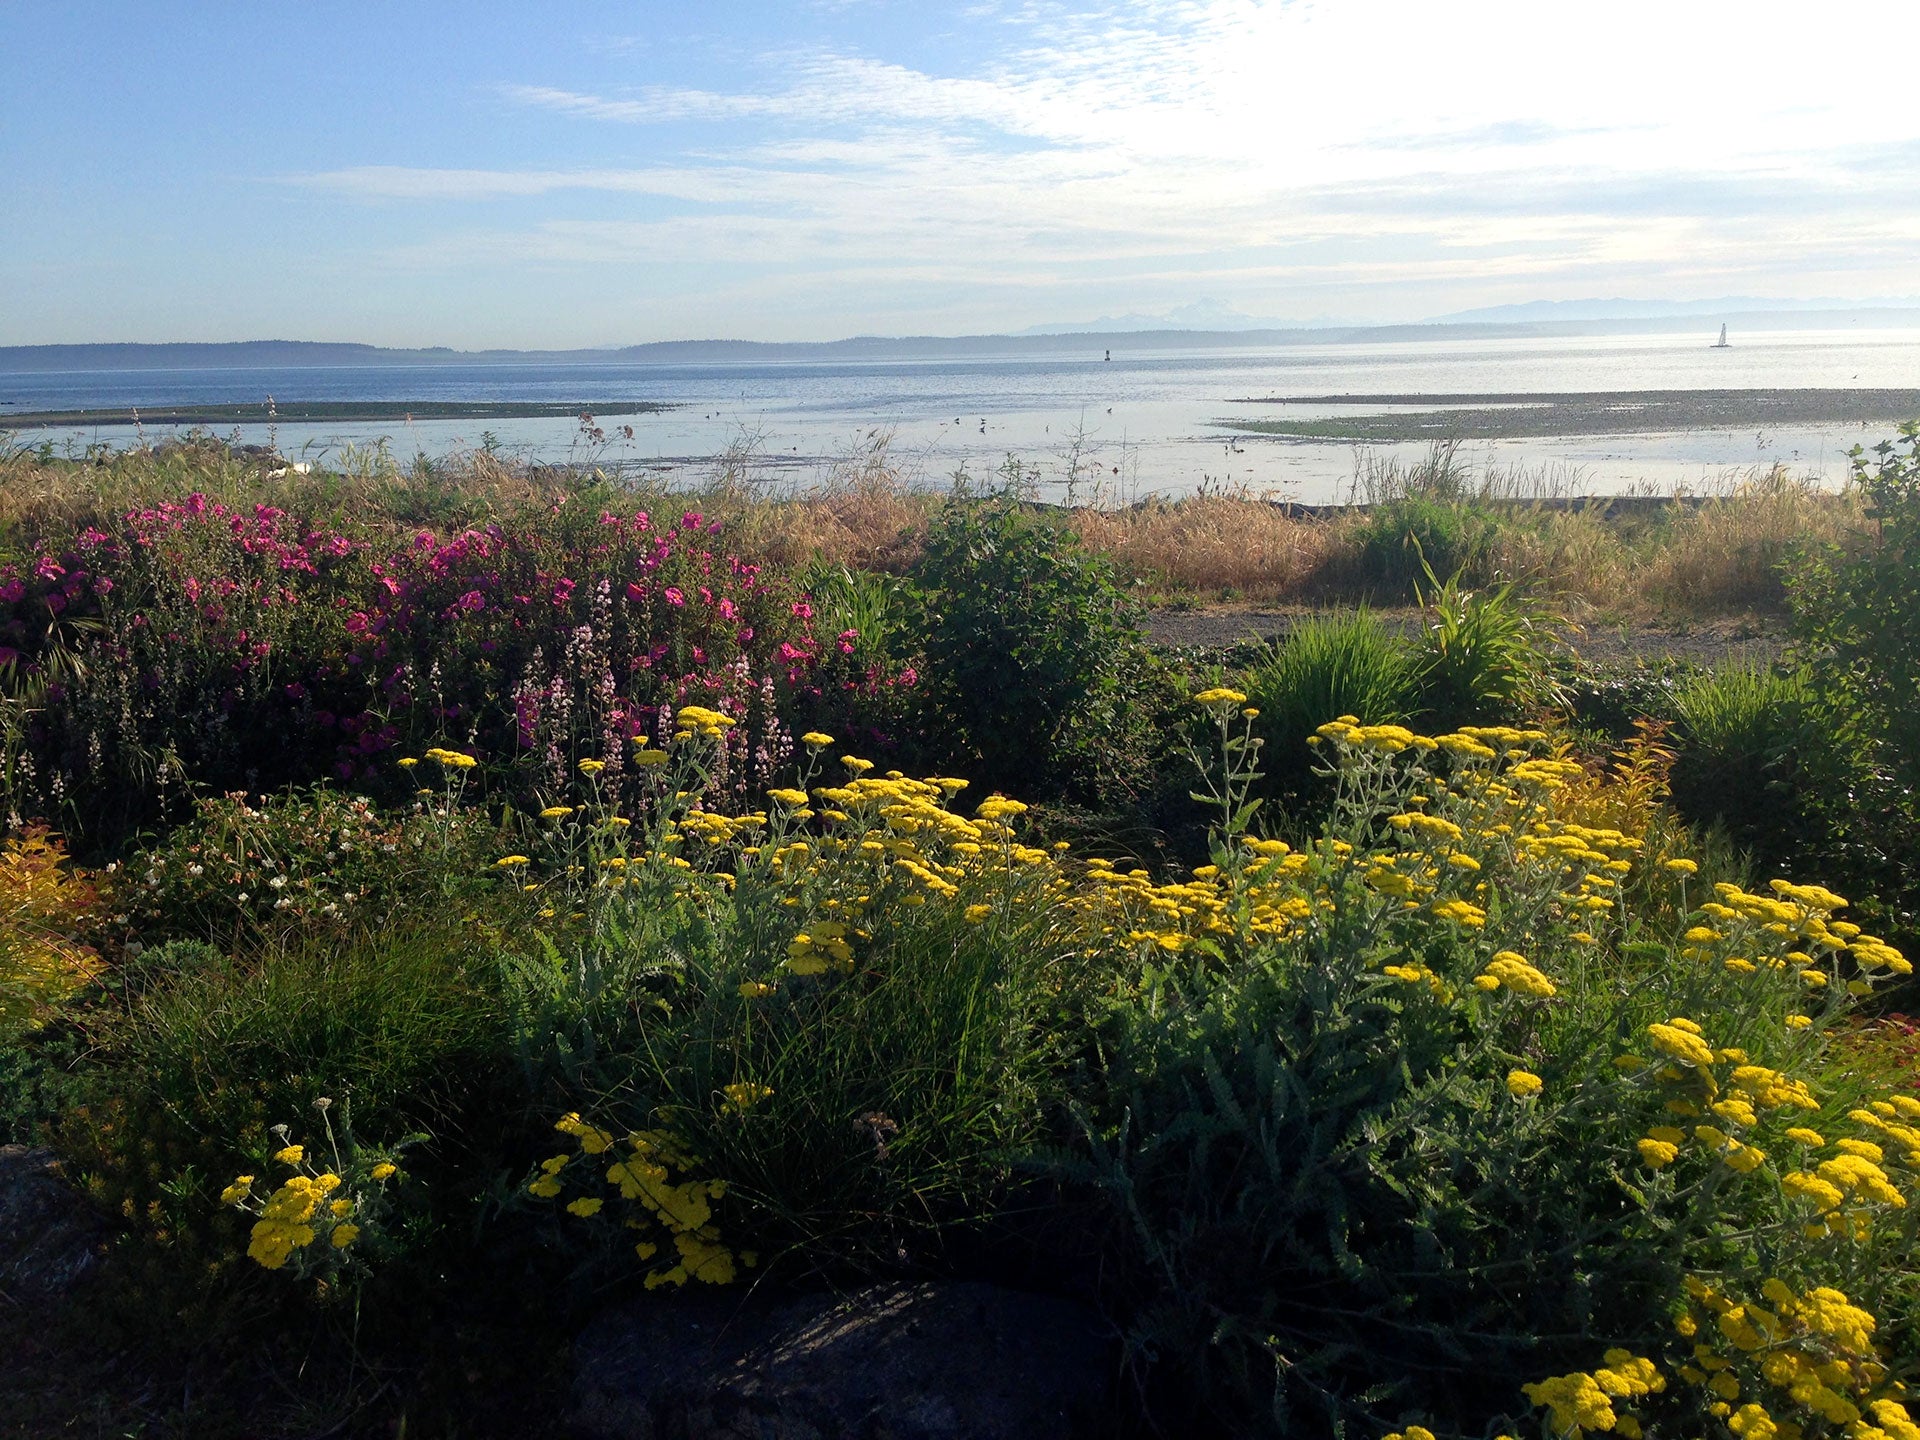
{"x": 1721, "y": 343}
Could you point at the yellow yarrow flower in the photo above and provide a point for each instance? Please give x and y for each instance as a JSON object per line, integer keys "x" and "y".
{"x": 1657, "y": 1154}
{"x": 1524, "y": 1084}
{"x": 743, "y": 1095}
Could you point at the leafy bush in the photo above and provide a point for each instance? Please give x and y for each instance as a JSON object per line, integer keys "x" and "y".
{"x": 43, "y": 907}
{"x": 1855, "y": 609}
{"x": 1606, "y": 700}
{"x": 1034, "y": 668}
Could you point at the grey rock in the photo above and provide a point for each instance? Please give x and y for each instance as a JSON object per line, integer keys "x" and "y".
{"x": 49, "y": 1237}
{"x": 959, "y": 1361}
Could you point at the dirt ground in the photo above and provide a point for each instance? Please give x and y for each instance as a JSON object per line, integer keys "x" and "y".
{"x": 1741, "y": 640}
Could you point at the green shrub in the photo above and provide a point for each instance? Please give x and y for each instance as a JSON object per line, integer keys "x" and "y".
{"x": 1326, "y": 666}
{"x": 1759, "y": 754}
{"x": 1401, "y": 538}
{"x": 1035, "y": 671}
{"x": 406, "y": 1032}
{"x": 1856, "y": 608}
{"x": 315, "y": 861}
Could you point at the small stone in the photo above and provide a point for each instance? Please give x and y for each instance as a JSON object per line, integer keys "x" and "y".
{"x": 49, "y": 1236}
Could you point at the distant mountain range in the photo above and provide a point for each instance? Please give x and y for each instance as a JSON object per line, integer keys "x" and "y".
{"x": 1745, "y": 306}
{"x": 1539, "y": 318}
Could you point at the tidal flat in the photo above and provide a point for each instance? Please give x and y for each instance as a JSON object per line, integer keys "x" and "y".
{"x": 1397, "y": 418}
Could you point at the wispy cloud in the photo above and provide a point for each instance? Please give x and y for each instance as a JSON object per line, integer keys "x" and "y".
{"x": 1282, "y": 145}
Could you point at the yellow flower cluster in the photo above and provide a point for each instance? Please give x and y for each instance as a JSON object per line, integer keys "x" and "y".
{"x": 1511, "y": 970}
{"x": 641, "y": 1170}
{"x": 1792, "y": 928}
{"x": 451, "y": 759}
{"x": 699, "y": 720}
{"x": 1583, "y": 1401}
{"x": 310, "y": 1206}
{"x": 1809, "y": 1352}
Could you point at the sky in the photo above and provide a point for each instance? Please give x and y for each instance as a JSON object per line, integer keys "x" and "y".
{"x": 534, "y": 176}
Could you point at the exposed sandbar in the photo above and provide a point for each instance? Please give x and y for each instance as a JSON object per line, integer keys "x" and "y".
{"x": 1601, "y": 412}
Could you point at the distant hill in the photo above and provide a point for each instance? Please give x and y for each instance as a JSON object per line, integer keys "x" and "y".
{"x": 1079, "y": 345}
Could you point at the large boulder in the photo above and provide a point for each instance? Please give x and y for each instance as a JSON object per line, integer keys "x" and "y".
{"x": 958, "y": 1361}
{"x": 49, "y": 1237}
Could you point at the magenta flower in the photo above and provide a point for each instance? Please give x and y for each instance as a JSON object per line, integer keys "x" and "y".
{"x": 673, "y": 595}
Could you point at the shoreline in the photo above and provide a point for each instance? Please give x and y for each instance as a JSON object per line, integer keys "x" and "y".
{"x": 299, "y": 411}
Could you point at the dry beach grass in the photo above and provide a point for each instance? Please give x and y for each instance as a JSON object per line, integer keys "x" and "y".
{"x": 1701, "y": 556}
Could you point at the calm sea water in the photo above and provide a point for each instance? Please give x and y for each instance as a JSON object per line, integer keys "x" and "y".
{"x": 1139, "y": 424}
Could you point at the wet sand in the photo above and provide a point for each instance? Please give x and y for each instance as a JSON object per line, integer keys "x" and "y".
{"x": 1608, "y": 412}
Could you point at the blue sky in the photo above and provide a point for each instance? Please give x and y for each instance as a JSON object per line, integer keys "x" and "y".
{"x": 594, "y": 173}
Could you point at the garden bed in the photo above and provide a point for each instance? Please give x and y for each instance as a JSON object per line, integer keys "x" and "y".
{"x": 431, "y": 918}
